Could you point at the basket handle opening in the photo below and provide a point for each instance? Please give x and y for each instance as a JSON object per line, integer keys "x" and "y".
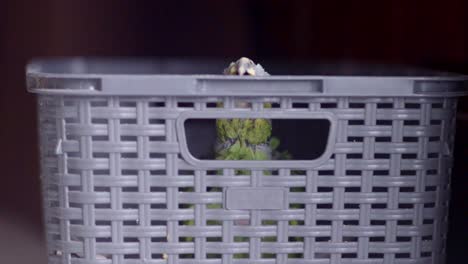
{"x": 302, "y": 140}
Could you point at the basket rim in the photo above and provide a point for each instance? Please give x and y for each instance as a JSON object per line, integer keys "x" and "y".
{"x": 133, "y": 76}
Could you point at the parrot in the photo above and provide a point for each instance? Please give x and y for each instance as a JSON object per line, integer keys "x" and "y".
{"x": 246, "y": 139}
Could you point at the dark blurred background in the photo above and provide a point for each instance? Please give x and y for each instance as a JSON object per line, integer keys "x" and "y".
{"x": 427, "y": 33}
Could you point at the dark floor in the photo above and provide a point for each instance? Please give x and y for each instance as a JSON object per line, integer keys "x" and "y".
{"x": 458, "y": 223}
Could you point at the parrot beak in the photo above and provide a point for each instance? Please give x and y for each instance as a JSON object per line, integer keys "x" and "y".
{"x": 241, "y": 70}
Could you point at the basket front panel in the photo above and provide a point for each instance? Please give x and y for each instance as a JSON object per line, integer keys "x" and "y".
{"x": 117, "y": 189}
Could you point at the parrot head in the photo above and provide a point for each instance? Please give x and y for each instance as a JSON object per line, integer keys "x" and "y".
{"x": 243, "y": 66}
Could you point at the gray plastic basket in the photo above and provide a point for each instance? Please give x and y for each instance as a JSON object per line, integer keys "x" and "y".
{"x": 119, "y": 181}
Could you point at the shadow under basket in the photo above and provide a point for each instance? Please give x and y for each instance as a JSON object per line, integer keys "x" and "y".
{"x": 130, "y": 175}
